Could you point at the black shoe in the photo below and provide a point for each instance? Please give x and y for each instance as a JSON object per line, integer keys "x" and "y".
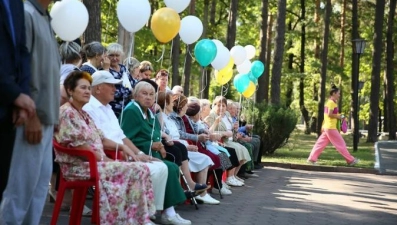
{"x": 190, "y": 194}
{"x": 249, "y": 172}
{"x": 242, "y": 176}
{"x": 257, "y": 167}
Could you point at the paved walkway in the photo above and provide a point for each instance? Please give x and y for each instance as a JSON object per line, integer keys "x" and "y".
{"x": 286, "y": 196}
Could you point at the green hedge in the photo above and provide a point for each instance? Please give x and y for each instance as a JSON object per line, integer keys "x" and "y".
{"x": 273, "y": 123}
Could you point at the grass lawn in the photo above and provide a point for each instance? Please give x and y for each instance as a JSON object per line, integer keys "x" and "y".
{"x": 299, "y": 146}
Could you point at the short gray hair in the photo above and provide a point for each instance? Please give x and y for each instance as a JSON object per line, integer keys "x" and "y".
{"x": 193, "y": 99}
{"x": 70, "y": 52}
{"x": 205, "y": 102}
{"x": 115, "y": 48}
{"x": 93, "y": 49}
{"x": 141, "y": 85}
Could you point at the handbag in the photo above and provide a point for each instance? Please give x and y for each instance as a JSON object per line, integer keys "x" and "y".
{"x": 341, "y": 125}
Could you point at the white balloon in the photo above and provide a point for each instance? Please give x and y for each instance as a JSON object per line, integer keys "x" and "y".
{"x": 251, "y": 51}
{"x": 191, "y": 29}
{"x": 133, "y": 14}
{"x": 55, "y": 7}
{"x": 238, "y": 54}
{"x": 244, "y": 67}
{"x": 218, "y": 43}
{"x": 222, "y": 58}
{"x": 177, "y": 5}
{"x": 69, "y": 19}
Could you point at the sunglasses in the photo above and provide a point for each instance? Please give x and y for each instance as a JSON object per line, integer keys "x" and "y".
{"x": 146, "y": 68}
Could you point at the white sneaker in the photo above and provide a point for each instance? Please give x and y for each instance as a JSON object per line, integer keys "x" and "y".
{"x": 207, "y": 199}
{"x": 233, "y": 182}
{"x": 239, "y": 179}
{"x": 224, "y": 191}
{"x": 355, "y": 161}
{"x": 175, "y": 220}
{"x": 226, "y": 186}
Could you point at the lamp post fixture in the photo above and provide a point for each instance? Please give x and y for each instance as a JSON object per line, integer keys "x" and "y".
{"x": 358, "y": 49}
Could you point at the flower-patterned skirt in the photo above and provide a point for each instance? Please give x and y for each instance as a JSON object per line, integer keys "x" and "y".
{"x": 126, "y": 194}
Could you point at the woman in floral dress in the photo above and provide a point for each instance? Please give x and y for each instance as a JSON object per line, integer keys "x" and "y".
{"x": 126, "y": 195}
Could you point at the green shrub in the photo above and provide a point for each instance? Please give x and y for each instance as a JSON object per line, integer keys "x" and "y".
{"x": 273, "y": 123}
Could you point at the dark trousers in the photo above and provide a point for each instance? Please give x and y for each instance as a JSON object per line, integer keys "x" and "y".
{"x": 7, "y": 137}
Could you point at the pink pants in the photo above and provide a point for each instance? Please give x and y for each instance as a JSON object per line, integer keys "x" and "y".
{"x": 333, "y": 136}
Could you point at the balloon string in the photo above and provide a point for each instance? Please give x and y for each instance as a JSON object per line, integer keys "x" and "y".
{"x": 239, "y": 112}
{"x": 161, "y": 57}
{"x": 184, "y": 65}
{"x": 188, "y": 50}
{"x": 203, "y": 81}
{"x": 130, "y": 49}
{"x": 226, "y": 89}
{"x": 153, "y": 125}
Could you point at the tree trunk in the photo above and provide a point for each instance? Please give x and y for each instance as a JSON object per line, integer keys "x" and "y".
{"x": 375, "y": 76}
{"x": 205, "y": 73}
{"x": 261, "y": 92}
{"x": 176, "y": 46}
{"x": 231, "y": 25}
{"x": 342, "y": 50}
{"x": 126, "y": 39}
{"x": 188, "y": 58}
{"x": 290, "y": 86}
{"x": 278, "y": 53}
{"x": 204, "y": 77}
{"x": 268, "y": 58}
{"x": 354, "y": 65}
{"x": 390, "y": 89}
{"x": 213, "y": 13}
{"x": 94, "y": 28}
{"x": 305, "y": 113}
{"x": 205, "y": 18}
{"x": 317, "y": 21}
{"x": 324, "y": 61}
{"x": 314, "y": 119}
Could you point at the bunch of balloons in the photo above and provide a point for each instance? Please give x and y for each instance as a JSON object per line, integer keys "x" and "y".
{"x": 222, "y": 60}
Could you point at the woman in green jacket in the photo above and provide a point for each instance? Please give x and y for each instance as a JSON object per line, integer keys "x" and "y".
{"x": 141, "y": 126}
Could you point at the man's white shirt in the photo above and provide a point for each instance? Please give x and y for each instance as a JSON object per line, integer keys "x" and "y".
{"x": 105, "y": 119}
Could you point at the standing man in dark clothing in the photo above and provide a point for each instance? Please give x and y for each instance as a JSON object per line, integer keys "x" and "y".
{"x": 15, "y": 104}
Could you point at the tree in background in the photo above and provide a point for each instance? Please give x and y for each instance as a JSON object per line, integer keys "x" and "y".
{"x": 375, "y": 75}
{"x": 324, "y": 64}
{"x": 93, "y": 31}
{"x": 275, "y": 97}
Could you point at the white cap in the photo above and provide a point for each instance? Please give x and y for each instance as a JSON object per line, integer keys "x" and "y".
{"x": 103, "y": 76}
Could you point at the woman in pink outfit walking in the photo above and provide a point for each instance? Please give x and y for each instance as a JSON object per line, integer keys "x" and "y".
{"x": 330, "y": 132}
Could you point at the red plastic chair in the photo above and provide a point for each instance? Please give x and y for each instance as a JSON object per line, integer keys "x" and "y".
{"x": 111, "y": 154}
{"x": 80, "y": 188}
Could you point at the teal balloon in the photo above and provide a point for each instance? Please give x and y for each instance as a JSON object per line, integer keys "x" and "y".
{"x": 257, "y": 68}
{"x": 205, "y": 52}
{"x": 241, "y": 82}
{"x": 253, "y": 78}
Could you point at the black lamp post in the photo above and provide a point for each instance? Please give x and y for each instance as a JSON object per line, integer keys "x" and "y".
{"x": 358, "y": 48}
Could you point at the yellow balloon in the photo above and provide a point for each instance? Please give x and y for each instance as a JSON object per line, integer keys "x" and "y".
{"x": 165, "y": 24}
{"x": 224, "y": 75}
{"x": 250, "y": 90}
{"x": 230, "y": 64}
